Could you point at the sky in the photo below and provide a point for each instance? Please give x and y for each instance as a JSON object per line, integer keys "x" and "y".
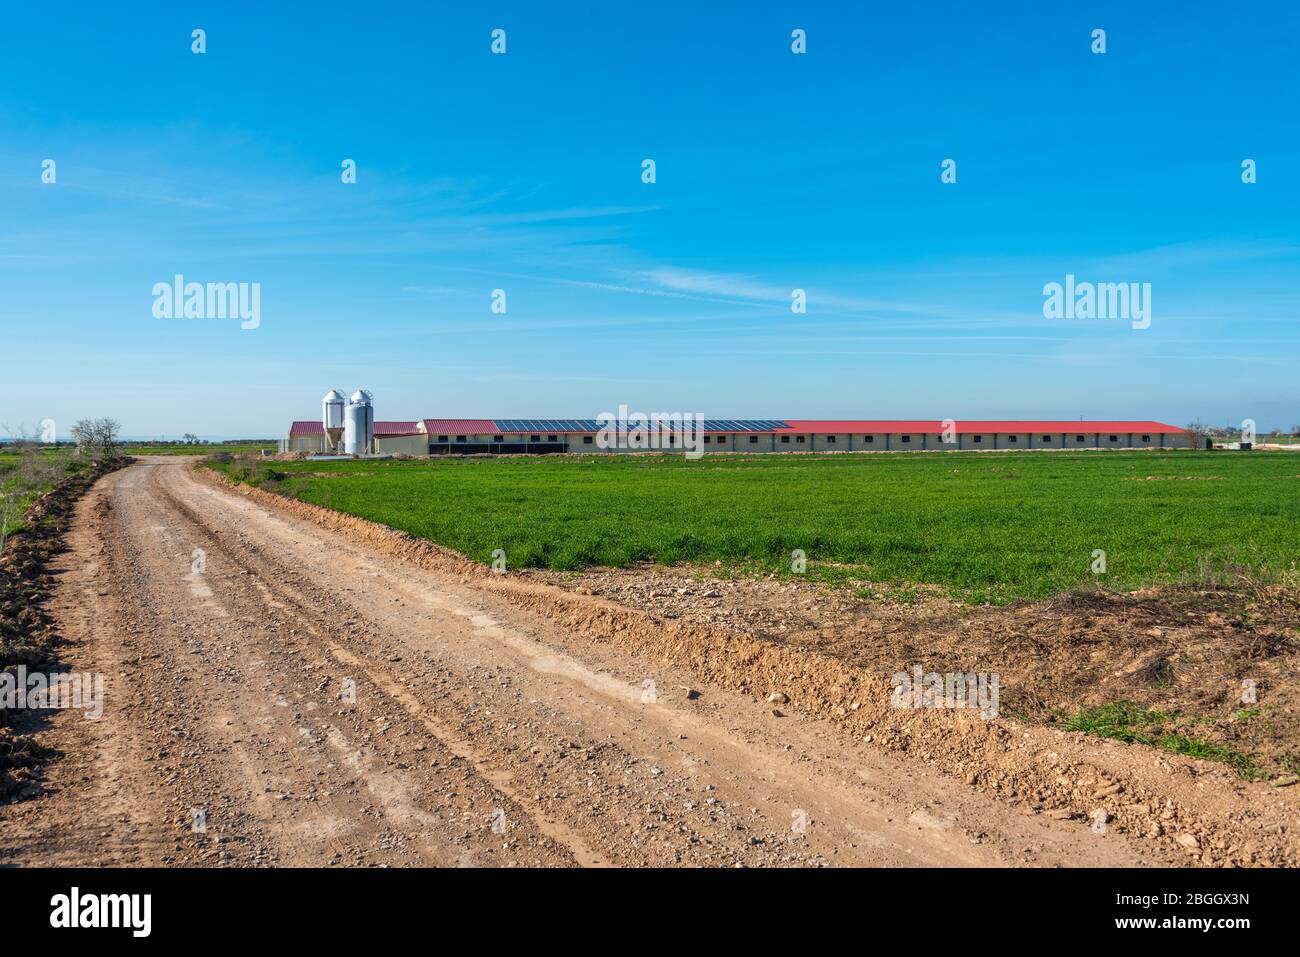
{"x": 523, "y": 172}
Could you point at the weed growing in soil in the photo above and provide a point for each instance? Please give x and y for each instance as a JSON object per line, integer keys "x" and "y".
{"x": 1133, "y": 724}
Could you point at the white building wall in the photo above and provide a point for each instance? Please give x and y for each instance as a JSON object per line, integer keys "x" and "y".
{"x": 769, "y": 442}
{"x": 306, "y": 443}
{"x": 402, "y": 444}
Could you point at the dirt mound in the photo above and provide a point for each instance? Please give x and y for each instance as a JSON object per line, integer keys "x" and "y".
{"x": 1195, "y": 655}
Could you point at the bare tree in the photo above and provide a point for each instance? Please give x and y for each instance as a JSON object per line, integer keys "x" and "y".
{"x": 34, "y": 467}
{"x": 1199, "y": 432}
{"x": 96, "y": 436}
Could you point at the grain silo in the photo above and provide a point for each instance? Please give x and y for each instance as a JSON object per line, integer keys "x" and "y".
{"x": 332, "y": 408}
{"x": 359, "y": 424}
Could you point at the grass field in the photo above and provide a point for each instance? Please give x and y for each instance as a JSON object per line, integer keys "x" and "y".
{"x": 982, "y": 526}
{"x": 23, "y": 479}
{"x": 179, "y": 448}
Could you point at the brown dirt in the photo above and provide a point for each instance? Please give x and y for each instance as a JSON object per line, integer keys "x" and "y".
{"x": 479, "y": 693}
{"x": 27, "y": 635}
{"x": 1184, "y": 650}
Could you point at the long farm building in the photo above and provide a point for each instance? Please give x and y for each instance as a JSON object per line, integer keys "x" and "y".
{"x": 536, "y": 436}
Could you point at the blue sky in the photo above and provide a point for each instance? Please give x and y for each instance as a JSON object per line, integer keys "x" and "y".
{"x": 775, "y": 171}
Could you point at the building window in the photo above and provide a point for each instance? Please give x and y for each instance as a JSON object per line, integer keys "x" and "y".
{"x": 498, "y": 438}
{"x": 830, "y": 440}
{"x": 979, "y": 438}
{"x": 1078, "y": 438}
{"x": 1114, "y": 438}
{"x": 442, "y": 438}
{"x": 907, "y": 438}
{"x": 1011, "y": 438}
{"x": 460, "y": 438}
{"x": 799, "y": 439}
{"x": 721, "y": 438}
{"x": 1146, "y": 438}
{"x": 706, "y": 439}
{"x": 785, "y": 439}
{"x": 753, "y": 440}
{"x": 1047, "y": 438}
{"x": 586, "y": 440}
{"x": 869, "y": 438}
{"x": 536, "y": 438}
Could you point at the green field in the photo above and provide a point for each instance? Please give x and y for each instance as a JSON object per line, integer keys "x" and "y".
{"x": 982, "y": 526}
{"x": 180, "y": 448}
{"x": 25, "y": 477}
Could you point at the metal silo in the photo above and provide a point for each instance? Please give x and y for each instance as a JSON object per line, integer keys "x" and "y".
{"x": 358, "y": 424}
{"x": 332, "y": 417}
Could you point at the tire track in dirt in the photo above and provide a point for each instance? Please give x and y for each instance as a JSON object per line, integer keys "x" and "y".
{"x": 215, "y": 709}
{"x": 305, "y": 604}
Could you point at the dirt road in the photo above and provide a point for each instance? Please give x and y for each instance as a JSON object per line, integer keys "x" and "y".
{"x": 279, "y": 694}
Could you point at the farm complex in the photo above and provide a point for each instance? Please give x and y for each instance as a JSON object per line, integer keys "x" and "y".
{"x": 534, "y": 436}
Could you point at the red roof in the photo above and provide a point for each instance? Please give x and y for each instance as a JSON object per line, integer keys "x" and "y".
{"x": 381, "y": 428}
{"x": 460, "y": 426}
{"x": 820, "y": 426}
{"x": 397, "y": 428}
{"x": 971, "y": 426}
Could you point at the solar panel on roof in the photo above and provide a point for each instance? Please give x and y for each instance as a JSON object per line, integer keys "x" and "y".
{"x": 743, "y": 425}
{"x": 551, "y": 426}
{"x": 591, "y": 425}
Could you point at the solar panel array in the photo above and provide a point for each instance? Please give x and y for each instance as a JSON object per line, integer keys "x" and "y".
{"x": 547, "y": 425}
{"x": 554, "y": 426}
{"x": 743, "y": 425}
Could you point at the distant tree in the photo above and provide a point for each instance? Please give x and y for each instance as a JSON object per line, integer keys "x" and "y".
{"x": 34, "y": 469}
{"x": 96, "y": 436}
{"x": 1199, "y": 432}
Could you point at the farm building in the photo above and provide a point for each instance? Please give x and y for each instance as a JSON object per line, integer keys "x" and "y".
{"x": 514, "y": 436}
